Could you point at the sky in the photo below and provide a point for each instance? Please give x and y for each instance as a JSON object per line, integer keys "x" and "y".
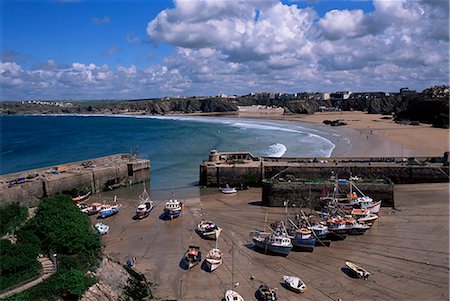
{"x": 76, "y": 50}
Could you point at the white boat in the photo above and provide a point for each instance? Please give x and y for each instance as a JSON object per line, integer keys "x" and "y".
{"x": 373, "y": 207}
{"x": 90, "y": 210}
{"x": 357, "y": 270}
{"x": 294, "y": 283}
{"x": 368, "y": 219}
{"x": 277, "y": 242}
{"x": 213, "y": 259}
{"x": 145, "y": 206}
{"x": 207, "y": 229}
{"x": 357, "y": 228}
{"x": 228, "y": 190}
{"x": 231, "y": 295}
{"x": 102, "y": 228}
{"x": 173, "y": 208}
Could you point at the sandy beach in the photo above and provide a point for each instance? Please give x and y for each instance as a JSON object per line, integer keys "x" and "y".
{"x": 406, "y": 250}
{"x": 372, "y": 134}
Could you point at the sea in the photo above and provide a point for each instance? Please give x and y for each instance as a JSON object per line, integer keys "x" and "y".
{"x": 175, "y": 145}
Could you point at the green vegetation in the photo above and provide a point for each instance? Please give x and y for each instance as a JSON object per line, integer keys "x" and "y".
{"x": 11, "y": 216}
{"x": 58, "y": 226}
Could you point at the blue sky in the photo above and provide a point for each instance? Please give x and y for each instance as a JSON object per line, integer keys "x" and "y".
{"x": 138, "y": 49}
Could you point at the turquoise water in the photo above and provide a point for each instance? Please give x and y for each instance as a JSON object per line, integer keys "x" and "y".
{"x": 175, "y": 145}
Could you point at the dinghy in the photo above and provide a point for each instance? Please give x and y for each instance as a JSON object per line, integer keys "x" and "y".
{"x": 228, "y": 189}
{"x": 192, "y": 256}
{"x": 213, "y": 259}
{"x": 357, "y": 270}
{"x": 265, "y": 293}
{"x": 145, "y": 206}
{"x": 102, "y": 228}
{"x": 231, "y": 295}
{"x": 207, "y": 229}
{"x": 294, "y": 283}
{"x": 81, "y": 197}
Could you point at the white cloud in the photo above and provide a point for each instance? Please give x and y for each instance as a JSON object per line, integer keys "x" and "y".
{"x": 101, "y": 21}
{"x": 240, "y": 46}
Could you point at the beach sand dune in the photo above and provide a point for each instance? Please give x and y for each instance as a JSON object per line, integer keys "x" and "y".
{"x": 406, "y": 251}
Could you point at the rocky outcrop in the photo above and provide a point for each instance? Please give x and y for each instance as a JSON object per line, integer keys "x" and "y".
{"x": 112, "y": 280}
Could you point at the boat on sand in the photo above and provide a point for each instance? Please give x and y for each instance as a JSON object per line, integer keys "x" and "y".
{"x": 265, "y": 293}
{"x": 81, "y": 198}
{"x": 192, "y": 256}
{"x": 228, "y": 190}
{"x": 145, "y": 206}
{"x": 102, "y": 228}
{"x": 357, "y": 270}
{"x": 231, "y": 295}
{"x": 294, "y": 283}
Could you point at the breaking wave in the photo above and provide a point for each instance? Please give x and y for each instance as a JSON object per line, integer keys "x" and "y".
{"x": 276, "y": 150}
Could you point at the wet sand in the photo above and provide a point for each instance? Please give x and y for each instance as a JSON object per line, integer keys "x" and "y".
{"x": 406, "y": 250}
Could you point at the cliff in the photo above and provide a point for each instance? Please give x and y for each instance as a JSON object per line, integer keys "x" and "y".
{"x": 429, "y": 106}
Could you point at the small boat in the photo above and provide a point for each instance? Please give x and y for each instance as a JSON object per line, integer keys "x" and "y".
{"x": 213, "y": 259}
{"x": 102, "y": 228}
{"x": 265, "y": 293}
{"x": 228, "y": 189}
{"x": 207, "y": 229}
{"x": 109, "y": 210}
{"x": 173, "y": 208}
{"x": 294, "y": 283}
{"x": 277, "y": 242}
{"x": 231, "y": 295}
{"x": 357, "y": 270}
{"x": 81, "y": 198}
{"x": 192, "y": 256}
{"x": 357, "y": 228}
{"x": 368, "y": 219}
{"x": 90, "y": 210}
{"x": 146, "y": 205}
{"x": 303, "y": 239}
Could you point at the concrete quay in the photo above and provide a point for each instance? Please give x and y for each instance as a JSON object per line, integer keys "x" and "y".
{"x": 299, "y": 180}
{"x": 95, "y": 175}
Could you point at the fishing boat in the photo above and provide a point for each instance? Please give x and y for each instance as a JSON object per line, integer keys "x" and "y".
{"x": 109, "y": 210}
{"x": 173, "y": 208}
{"x": 277, "y": 242}
{"x": 357, "y": 228}
{"x": 303, "y": 239}
{"x": 102, "y": 228}
{"x": 231, "y": 295}
{"x": 81, "y": 198}
{"x": 294, "y": 283}
{"x": 373, "y": 207}
{"x": 145, "y": 206}
{"x": 357, "y": 271}
{"x": 265, "y": 293}
{"x": 368, "y": 219}
{"x": 207, "y": 229}
{"x": 213, "y": 259}
{"x": 228, "y": 190}
{"x": 94, "y": 208}
{"x": 338, "y": 227}
{"x": 192, "y": 256}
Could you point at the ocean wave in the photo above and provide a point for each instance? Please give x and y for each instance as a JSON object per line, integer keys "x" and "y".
{"x": 276, "y": 150}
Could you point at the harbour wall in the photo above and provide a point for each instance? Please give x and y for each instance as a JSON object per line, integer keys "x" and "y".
{"x": 75, "y": 178}
{"x": 283, "y": 178}
{"x": 235, "y": 174}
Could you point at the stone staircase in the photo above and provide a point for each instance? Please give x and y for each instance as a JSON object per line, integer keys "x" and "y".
{"x": 47, "y": 269}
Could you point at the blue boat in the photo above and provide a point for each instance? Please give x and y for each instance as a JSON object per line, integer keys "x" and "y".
{"x": 173, "y": 208}
{"x": 277, "y": 242}
{"x": 109, "y": 210}
{"x": 303, "y": 239}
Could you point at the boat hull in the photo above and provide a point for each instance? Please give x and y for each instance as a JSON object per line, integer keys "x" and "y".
{"x": 108, "y": 213}
{"x": 268, "y": 248}
{"x": 172, "y": 214}
{"x": 304, "y": 244}
{"x": 211, "y": 265}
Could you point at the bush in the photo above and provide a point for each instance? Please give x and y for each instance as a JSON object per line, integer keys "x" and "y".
{"x": 11, "y": 216}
